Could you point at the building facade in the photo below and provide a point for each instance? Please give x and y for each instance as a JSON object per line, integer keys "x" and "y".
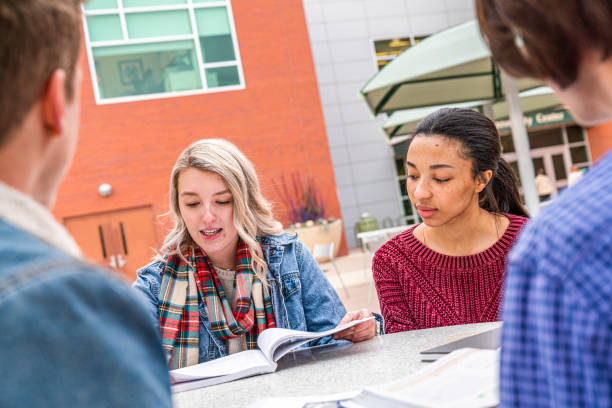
{"x": 281, "y": 80}
{"x": 160, "y": 74}
{"x": 351, "y": 40}
{"x": 599, "y": 140}
{"x": 344, "y": 35}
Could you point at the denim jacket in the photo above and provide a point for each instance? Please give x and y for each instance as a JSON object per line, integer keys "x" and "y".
{"x": 72, "y": 336}
{"x": 302, "y": 297}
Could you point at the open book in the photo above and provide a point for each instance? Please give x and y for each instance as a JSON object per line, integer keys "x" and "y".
{"x": 273, "y": 344}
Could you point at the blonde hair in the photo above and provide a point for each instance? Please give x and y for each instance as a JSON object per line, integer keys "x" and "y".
{"x": 252, "y": 212}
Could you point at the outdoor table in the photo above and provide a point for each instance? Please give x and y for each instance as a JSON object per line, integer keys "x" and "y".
{"x": 386, "y": 233}
{"x": 334, "y": 368}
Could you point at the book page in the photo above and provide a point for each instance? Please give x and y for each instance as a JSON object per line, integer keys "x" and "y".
{"x": 465, "y": 377}
{"x": 234, "y": 363}
{"x": 270, "y": 340}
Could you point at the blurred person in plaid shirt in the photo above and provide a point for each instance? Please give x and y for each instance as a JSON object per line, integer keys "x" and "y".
{"x": 557, "y": 335}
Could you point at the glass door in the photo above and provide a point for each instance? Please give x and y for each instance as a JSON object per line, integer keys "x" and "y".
{"x": 553, "y": 160}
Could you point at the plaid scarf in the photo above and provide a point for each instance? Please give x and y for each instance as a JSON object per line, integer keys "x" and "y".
{"x": 184, "y": 283}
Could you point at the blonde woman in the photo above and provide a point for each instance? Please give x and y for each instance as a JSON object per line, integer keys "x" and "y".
{"x": 229, "y": 270}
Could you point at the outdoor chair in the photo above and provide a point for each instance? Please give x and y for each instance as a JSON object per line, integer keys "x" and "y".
{"x": 324, "y": 253}
{"x": 370, "y": 246}
{"x": 371, "y": 241}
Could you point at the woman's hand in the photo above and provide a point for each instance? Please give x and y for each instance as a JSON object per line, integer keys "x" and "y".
{"x": 359, "y": 332}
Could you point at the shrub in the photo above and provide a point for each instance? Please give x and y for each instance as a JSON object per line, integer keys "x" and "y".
{"x": 302, "y": 198}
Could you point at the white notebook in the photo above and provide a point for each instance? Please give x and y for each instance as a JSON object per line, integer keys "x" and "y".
{"x": 489, "y": 340}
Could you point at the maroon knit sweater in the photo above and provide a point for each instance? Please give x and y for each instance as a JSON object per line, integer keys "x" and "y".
{"x": 420, "y": 288}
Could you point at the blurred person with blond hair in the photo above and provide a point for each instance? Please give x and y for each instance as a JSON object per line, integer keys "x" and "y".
{"x": 557, "y": 336}
{"x": 72, "y": 335}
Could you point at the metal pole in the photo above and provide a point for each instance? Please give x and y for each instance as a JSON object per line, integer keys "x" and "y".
{"x": 487, "y": 110}
{"x": 521, "y": 145}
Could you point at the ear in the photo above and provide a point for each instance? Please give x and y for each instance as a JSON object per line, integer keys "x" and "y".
{"x": 54, "y": 103}
{"x": 483, "y": 179}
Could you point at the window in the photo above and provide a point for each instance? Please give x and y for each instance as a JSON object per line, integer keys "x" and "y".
{"x": 410, "y": 215}
{"x": 578, "y": 148}
{"x": 575, "y": 134}
{"x": 145, "y": 49}
{"x": 384, "y": 52}
{"x": 507, "y": 143}
{"x": 545, "y": 138}
{"x": 387, "y": 50}
{"x": 555, "y": 150}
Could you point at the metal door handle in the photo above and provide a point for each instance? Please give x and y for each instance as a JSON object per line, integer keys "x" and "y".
{"x": 120, "y": 260}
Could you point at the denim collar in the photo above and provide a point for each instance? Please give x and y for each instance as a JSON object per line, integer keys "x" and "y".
{"x": 284, "y": 238}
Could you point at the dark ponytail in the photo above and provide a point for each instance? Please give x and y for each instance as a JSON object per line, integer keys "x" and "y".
{"x": 481, "y": 144}
{"x": 501, "y": 195}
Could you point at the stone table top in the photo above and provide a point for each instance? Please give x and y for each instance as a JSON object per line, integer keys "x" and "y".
{"x": 332, "y": 368}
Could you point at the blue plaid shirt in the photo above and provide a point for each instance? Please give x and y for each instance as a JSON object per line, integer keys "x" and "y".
{"x": 557, "y": 336}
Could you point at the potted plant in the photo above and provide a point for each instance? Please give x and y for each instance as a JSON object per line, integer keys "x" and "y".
{"x": 306, "y": 212}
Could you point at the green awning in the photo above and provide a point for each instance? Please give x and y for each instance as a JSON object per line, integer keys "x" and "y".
{"x": 451, "y": 66}
{"x": 405, "y": 121}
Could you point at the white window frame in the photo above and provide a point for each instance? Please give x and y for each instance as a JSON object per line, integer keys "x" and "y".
{"x": 190, "y": 6}
{"x": 401, "y": 195}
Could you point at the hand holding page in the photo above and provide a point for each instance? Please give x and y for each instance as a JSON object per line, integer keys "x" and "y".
{"x": 273, "y": 344}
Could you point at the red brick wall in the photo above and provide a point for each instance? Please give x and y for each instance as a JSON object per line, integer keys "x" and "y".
{"x": 277, "y": 121}
{"x": 599, "y": 139}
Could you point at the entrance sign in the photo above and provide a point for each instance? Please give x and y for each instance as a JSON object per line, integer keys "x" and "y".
{"x": 538, "y": 119}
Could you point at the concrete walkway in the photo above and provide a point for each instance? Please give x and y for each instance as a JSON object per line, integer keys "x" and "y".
{"x": 357, "y": 275}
